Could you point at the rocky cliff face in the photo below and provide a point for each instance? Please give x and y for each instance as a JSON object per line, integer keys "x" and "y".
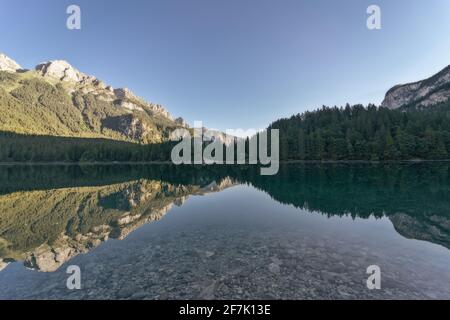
{"x": 63, "y": 71}
{"x": 124, "y": 97}
{"x": 130, "y": 101}
{"x": 431, "y": 91}
{"x": 59, "y": 100}
{"x": 7, "y": 64}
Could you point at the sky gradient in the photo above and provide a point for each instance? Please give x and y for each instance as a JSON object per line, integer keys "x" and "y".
{"x": 236, "y": 63}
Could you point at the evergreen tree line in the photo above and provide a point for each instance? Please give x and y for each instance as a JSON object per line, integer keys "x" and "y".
{"x": 330, "y": 133}
{"x": 30, "y": 148}
{"x": 366, "y": 133}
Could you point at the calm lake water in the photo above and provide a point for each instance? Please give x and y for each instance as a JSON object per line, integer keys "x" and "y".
{"x": 163, "y": 232}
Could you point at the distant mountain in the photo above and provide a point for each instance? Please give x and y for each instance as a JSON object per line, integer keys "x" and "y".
{"x": 425, "y": 93}
{"x": 58, "y": 100}
{"x": 7, "y": 64}
{"x": 413, "y": 123}
{"x": 57, "y": 113}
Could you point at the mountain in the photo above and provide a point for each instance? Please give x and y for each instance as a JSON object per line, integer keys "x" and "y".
{"x": 425, "y": 93}
{"x": 56, "y": 99}
{"x": 57, "y": 113}
{"x": 413, "y": 123}
{"x": 7, "y": 64}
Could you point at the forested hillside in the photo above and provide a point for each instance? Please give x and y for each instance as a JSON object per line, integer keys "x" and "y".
{"x": 36, "y": 148}
{"x": 348, "y": 133}
{"x": 57, "y": 113}
{"x": 366, "y": 133}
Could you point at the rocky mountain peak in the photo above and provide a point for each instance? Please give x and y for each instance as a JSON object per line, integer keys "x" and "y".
{"x": 100, "y": 106}
{"x": 431, "y": 91}
{"x": 62, "y": 70}
{"x": 7, "y": 64}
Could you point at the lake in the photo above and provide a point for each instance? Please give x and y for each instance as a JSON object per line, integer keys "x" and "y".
{"x": 226, "y": 232}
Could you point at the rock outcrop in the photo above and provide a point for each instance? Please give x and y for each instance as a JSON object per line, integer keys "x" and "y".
{"x": 48, "y": 258}
{"x": 132, "y": 102}
{"x": 7, "y": 64}
{"x": 216, "y": 186}
{"x": 213, "y": 135}
{"x": 3, "y": 264}
{"x": 431, "y": 91}
{"x": 125, "y": 116}
{"x": 63, "y": 71}
{"x": 180, "y": 121}
{"x": 124, "y": 93}
{"x": 130, "y": 126}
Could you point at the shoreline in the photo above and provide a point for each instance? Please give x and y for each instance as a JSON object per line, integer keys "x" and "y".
{"x": 60, "y": 163}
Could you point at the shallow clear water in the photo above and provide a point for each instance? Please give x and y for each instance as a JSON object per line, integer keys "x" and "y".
{"x": 157, "y": 232}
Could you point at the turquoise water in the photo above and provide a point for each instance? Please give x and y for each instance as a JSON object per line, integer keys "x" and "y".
{"x": 162, "y": 232}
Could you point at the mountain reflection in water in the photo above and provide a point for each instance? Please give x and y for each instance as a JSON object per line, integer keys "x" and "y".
{"x": 50, "y": 214}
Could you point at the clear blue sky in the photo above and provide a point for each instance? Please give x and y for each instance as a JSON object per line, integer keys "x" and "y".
{"x": 236, "y": 63}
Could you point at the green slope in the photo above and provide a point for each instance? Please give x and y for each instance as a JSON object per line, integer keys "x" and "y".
{"x": 33, "y": 104}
